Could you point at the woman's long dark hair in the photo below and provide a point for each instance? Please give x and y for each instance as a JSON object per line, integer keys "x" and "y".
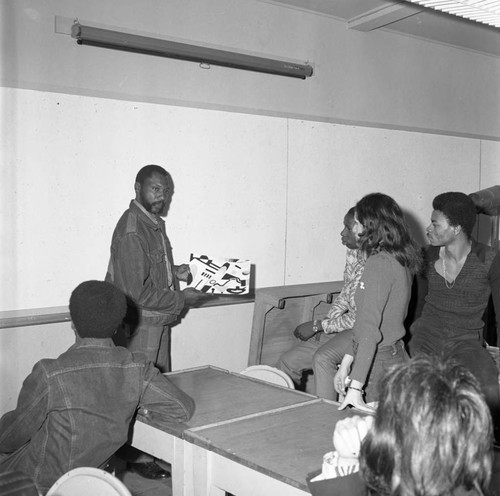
{"x": 385, "y": 229}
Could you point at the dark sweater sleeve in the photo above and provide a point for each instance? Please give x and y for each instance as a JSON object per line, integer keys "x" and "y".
{"x": 374, "y": 289}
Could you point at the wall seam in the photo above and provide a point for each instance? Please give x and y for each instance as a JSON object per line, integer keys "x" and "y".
{"x": 287, "y": 188}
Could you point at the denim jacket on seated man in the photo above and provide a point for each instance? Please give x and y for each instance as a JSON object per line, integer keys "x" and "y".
{"x": 76, "y": 410}
{"x": 141, "y": 265}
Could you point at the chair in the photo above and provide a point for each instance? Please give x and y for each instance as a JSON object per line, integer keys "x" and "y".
{"x": 269, "y": 374}
{"x": 86, "y": 481}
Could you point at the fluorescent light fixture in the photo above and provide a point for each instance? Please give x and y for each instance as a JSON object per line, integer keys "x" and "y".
{"x": 105, "y": 38}
{"x": 484, "y": 11}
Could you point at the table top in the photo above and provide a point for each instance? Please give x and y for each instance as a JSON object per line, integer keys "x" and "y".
{"x": 221, "y": 395}
{"x": 287, "y": 444}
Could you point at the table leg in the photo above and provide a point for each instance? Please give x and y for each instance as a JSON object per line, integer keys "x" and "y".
{"x": 178, "y": 468}
{"x": 212, "y": 474}
{"x": 153, "y": 441}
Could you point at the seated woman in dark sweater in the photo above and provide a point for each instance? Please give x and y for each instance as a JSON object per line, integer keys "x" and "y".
{"x": 382, "y": 298}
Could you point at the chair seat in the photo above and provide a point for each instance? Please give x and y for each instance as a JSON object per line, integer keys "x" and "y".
{"x": 269, "y": 374}
{"x": 86, "y": 481}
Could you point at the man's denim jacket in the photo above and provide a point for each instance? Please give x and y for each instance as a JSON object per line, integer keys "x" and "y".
{"x": 138, "y": 265}
{"x": 76, "y": 410}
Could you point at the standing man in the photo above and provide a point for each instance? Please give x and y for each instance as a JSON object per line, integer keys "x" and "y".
{"x": 459, "y": 276}
{"x": 141, "y": 265}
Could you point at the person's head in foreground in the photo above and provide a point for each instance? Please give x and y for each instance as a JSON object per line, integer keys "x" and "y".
{"x": 97, "y": 309}
{"x": 432, "y": 434}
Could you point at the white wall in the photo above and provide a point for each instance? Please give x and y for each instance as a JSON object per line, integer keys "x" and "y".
{"x": 268, "y": 189}
{"x": 71, "y": 173}
{"x": 350, "y": 162}
{"x": 21, "y": 348}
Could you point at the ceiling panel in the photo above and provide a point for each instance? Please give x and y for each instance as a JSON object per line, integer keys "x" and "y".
{"x": 421, "y": 22}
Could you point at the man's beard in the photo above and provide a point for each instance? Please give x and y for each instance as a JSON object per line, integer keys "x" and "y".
{"x": 153, "y": 207}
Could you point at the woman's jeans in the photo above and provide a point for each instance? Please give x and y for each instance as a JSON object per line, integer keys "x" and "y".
{"x": 385, "y": 358}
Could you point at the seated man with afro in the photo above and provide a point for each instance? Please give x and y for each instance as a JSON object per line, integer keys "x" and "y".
{"x": 76, "y": 410}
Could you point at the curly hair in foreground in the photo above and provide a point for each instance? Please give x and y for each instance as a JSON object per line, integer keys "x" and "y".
{"x": 432, "y": 433}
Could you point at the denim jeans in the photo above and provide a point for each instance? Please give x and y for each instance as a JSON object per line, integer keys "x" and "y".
{"x": 323, "y": 356}
{"x": 154, "y": 341}
{"x": 466, "y": 349}
{"x": 385, "y": 358}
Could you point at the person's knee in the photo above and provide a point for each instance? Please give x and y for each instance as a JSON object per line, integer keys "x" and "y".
{"x": 492, "y": 397}
{"x": 326, "y": 359}
{"x": 318, "y": 360}
{"x": 281, "y": 364}
{"x": 284, "y": 362}
{"x": 417, "y": 347}
{"x": 289, "y": 364}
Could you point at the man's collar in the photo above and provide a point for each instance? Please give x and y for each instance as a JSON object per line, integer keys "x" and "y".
{"x": 153, "y": 217}
{"x": 99, "y": 342}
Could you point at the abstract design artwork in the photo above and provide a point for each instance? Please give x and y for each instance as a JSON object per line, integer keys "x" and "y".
{"x": 230, "y": 276}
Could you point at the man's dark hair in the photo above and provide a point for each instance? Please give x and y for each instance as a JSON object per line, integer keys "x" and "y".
{"x": 458, "y": 208}
{"x": 147, "y": 171}
{"x": 97, "y": 309}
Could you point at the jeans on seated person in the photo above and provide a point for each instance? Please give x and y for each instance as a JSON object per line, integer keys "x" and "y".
{"x": 385, "y": 358}
{"x": 323, "y": 356}
{"x": 467, "y": 350}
